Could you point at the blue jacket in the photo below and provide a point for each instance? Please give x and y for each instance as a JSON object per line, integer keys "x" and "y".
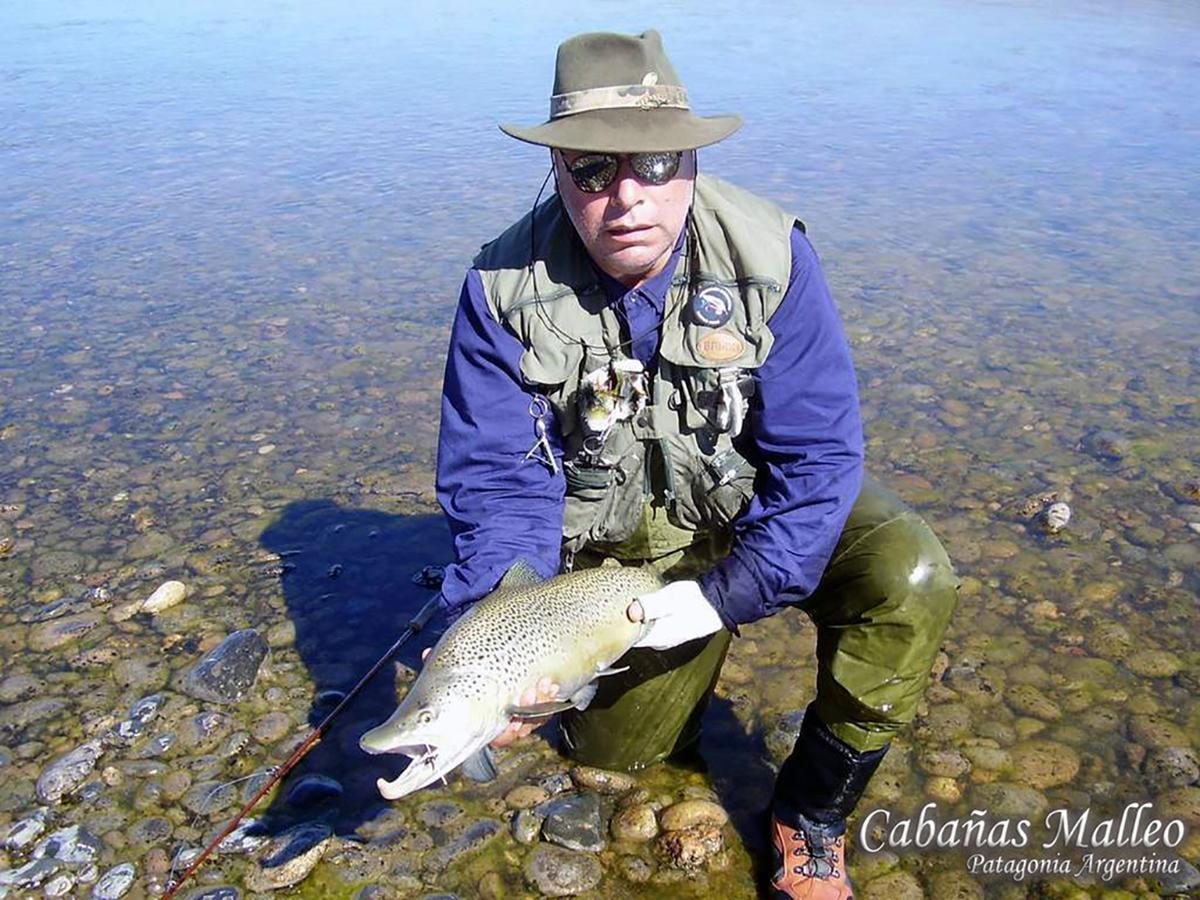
{"x": 803, "y": 435}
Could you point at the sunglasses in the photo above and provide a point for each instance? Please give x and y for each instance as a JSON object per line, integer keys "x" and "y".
{"x": 594, "y": 172}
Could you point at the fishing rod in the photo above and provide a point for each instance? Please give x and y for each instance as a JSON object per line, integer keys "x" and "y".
{"x": 419, "y": 621}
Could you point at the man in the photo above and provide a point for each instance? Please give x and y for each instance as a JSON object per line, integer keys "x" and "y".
{"x": 648, "y": 367}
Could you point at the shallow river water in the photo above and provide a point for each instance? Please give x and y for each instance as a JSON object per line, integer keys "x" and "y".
{"x": 231, "y": 242}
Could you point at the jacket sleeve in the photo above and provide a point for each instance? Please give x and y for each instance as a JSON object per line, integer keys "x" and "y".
{"x": 805, "y": 437}
{"x": 501, "y": 506}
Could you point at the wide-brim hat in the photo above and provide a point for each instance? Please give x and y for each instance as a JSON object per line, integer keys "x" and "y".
{"x": 618, "y": 93}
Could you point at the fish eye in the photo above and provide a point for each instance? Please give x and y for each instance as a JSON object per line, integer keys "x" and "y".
{"x": 424, "y": 716}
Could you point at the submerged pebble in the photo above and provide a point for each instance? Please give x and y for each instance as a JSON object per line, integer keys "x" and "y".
{"x": 574, "y": 822}
{"x": 558, "y": 872}
{"x": 290, "y": 857}
{"x": 166, "y": 595}
{"x": 229, "y": 670}
{"x": 115, "y": 883}
{"x": 68, "y": 772}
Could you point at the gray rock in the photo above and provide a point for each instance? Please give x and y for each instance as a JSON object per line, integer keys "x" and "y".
{"x": 474, "y": 837}
{"x": 209, "y": 797}
{"x": 290, "y": 858}
{"x": 1171, "y": 767}
{"x": 59, "y": 886}
{"x": 438, "y": 813}
{"x": 220, "y": 892}
{"x": 781, "y": 736}
{"x": 1184, "y": 883}
{"x": 68, "y": 772}
{"x": 228, "y": 671}
{"x": 23, "y": 833}
{"x": 115, "y": 882}
{"x": 148, "y": 832}
{"x": 30, "y": 875}
{"x": 526, "y": 826}
{"x": 250, "y": 835}
{"x": 562, "y": 873}
{"x": 574, "y": 822}
{"x": 313, "y": 790}
{"x": 74, "y": 845}
{"x": 556, "y": 783}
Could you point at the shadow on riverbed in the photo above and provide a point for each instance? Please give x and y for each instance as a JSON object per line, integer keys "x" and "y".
{"x": 350, "y": 595}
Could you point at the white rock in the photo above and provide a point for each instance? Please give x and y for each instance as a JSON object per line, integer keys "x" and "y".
{"x": 167, "y": 595}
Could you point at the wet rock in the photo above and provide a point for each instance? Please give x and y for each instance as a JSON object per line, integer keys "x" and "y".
{"x": 557, "y": 872}
{"x": 1154, "y": 663}
{"x": 781, "y": 736}
{"x": 602, "y": 781}
{"x": 219, "y": 892}
{"x": 474, "y": 837}
{"x": 943, "y": 789}
{"x": 59, "y": 886}
{"x": 74, "y": 845}
{"x": 115, "y": 883}
{"x": 1042, "y": 764}
{"x": 690, "y": 813}
{"x": 203, "y": 731}
{"x": 68, "y": 772}
{"x": 1183, "y": 883}
{"x": 527, "y": 826}
{"x": 148, "y": 832}
{"x": 290, "y": 858}
{"x": 1155, "y": 732}
{"x": 1107, "y": 446}
{"x": 574, "y": 822}
{"x": 635, "y": 869}
{"x": 19, "y": 687}
{"x": 249, "y": 836}
{"x": 54, "y": 634}
{"x": 166, "y": 595}
{"x": 208, "y": 797}
{"x": 634, "y": 824}
{"x": 23, "y": 833}
{"x": 946, "y": 763}
{"x": 1028, "y": 700}
{"x": 1004, "y": 800}
{"x": 30, "y": 875}
{"x": 526, "y": 796}
{"x": 690, "y": 848}
{"x": 1181, "y": 803}
{"x": 898, "y": 885}
{"x": 438, "y": 813}
{"x": 556, "y": 783}
{"x": 313, "y": 790}
{"x": 139, "y": 674}
{"x": 954, "y": 884}
{"x": 272, "y": 727}
{"x": 228, "y": 671}
{"x": 1171, "y": 767}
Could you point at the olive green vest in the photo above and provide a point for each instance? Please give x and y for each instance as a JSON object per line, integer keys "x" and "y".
{"x": 675, "y": 460}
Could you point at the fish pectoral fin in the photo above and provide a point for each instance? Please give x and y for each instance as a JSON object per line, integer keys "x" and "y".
{"x": 582, "y": 697}
{"x": 540, "y": 710}
{"x": 481, "y": 765}
{"x": 600, "y": 673}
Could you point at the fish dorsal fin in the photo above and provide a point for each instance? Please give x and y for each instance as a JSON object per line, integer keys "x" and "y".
{"x": 520, "y": 575}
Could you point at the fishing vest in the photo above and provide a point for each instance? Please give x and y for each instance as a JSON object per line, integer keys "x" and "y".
{"x": 677, "y": 453}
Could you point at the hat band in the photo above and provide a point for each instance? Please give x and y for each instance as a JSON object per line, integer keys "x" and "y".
{"x": 619, "y": 96}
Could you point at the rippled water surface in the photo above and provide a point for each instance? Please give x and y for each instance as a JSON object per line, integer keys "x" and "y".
{"x": 231, "y": 242}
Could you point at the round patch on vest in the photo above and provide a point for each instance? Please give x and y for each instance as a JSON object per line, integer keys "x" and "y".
{"x": 720, "y": 346}
{"x": 712, "y": 306}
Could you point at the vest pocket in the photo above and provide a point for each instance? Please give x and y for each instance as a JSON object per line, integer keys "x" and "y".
{"x": 721, "y": 488}
{"x": 598, "y": 506}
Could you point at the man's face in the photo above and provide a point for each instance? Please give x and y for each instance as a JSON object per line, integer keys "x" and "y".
{"x": 630, "y": 227}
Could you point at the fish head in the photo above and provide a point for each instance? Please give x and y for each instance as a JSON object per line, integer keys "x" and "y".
{"x": 436, "y": 731}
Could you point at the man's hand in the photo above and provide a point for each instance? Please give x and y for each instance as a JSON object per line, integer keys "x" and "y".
{"x": 545, "y": 691}
{"x": 677, "y": 613}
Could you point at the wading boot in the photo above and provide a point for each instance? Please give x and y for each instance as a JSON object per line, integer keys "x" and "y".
{"x": 810, "y": 863}
{"x": 818, "y": 787}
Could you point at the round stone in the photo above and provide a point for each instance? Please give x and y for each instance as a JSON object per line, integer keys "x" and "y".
{"x": 526, "y": 796}
{"x": 689, "y": 813}
{"x": 558, "y": 872}
{"x": 635, "y": 824}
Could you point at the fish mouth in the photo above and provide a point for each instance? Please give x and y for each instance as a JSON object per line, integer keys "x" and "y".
{"x": 421, "y": 771}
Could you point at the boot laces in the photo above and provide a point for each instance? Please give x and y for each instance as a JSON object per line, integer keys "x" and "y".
{"x": 819, "y": 862}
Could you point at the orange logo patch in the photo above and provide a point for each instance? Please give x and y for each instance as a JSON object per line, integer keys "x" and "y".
{"x": 720, "y": 346}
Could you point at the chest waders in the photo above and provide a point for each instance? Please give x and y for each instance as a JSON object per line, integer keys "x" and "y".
{"x": 664, "y": 486}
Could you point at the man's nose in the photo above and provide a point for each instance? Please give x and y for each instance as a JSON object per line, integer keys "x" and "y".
{"x": 628, "y": 187}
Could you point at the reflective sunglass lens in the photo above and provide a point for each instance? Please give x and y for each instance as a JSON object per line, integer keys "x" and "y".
{"x": 594, "y": 172}
{"x": 656, "y": 168}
